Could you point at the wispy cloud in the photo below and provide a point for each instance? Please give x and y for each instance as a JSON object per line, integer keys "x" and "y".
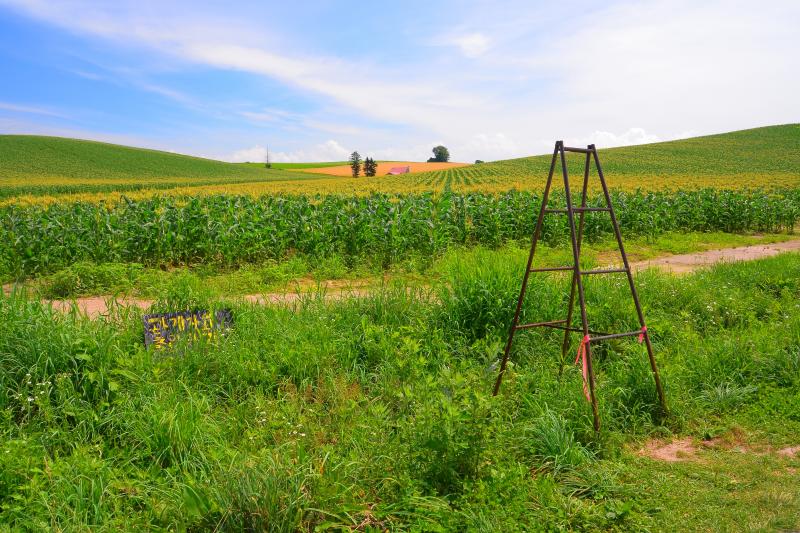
{"x": 31, "y": 110}
{"x": 471, "y": 45}
{"x": 620, "y": 73}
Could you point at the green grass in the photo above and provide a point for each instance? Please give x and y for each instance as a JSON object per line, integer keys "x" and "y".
{"x": 303, "y": 274}
{"x": 376, "y": 413}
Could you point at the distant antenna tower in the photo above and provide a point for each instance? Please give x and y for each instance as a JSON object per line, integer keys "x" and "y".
{"x": 267, "y": 163}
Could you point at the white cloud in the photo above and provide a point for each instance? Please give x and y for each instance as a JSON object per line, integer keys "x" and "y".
{"x": 632, "y": 136}
{"x": 327, "y": 151}
{"x": 489, "y": 147}
{"x": 471, "y": 44}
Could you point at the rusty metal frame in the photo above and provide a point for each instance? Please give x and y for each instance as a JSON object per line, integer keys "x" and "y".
{"x": 576, "y": 237}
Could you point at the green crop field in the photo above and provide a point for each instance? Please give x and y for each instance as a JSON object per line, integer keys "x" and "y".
{"x": 47, "y": 170}
{"x": 386, "y": 230}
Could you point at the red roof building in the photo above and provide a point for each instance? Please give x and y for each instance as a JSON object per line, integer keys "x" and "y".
{"x": 398, "y": 170}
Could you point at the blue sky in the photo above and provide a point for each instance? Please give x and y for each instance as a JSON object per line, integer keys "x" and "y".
{"x": 315, "y": 80}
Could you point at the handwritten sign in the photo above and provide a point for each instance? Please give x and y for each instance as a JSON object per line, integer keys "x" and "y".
{"x": 162, "y": 329}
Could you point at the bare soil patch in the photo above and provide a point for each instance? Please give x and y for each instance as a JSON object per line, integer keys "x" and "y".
{"x": 686, "y": 448}
{"x": 383, "y": 168}
{"x": 681, "y": 264}
{"x": 670, "y": 452}
{"x": 791, "y": 451}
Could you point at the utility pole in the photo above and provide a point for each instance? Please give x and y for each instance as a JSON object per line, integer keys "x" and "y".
{"x": 267, "y": 163}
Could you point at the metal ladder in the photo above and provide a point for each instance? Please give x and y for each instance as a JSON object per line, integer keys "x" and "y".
{"x": 576, "y": 235}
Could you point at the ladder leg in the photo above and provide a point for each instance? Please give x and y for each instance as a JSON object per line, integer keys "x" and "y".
{"x": 524, "y": 287}
{"x": 579, "y": 285}
{"x": 634, "y": 294}
{"x": 571, "y": 304}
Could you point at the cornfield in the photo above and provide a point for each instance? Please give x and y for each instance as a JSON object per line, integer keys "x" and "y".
{"x": 230, "y": 230}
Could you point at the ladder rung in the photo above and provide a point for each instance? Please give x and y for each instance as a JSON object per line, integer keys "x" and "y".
{"x": 579, "y": 150}
{"x": 541, "y": 324}
{"x": 551, "y": 269}
{"x": 615, "y": 335}
{"x": 578, "y": 210}
{"x": 604, "y": 271}
{"x": 577, "y": 330}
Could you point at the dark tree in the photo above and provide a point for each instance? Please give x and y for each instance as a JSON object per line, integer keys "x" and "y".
{"x": 440, "y": 155}
{"x": 478, "y": 161}
{"x": 355, "y": 164}
{"x": 370, "y": 167}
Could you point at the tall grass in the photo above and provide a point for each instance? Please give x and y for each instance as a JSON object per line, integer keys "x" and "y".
{"x": 376, "y": 413}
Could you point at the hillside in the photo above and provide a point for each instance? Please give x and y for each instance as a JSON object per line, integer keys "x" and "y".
{"x": 770, "y": 154}
{"x": 32, "y": 164}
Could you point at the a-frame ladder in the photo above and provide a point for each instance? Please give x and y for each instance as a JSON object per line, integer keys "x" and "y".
{"x": 576, "y": 235}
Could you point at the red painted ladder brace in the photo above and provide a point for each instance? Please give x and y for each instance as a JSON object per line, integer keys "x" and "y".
{"x": 581, "y": 358}
{"x": 584, "y": 356}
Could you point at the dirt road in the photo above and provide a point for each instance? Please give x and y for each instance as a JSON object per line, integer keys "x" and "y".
{"x": 680, "y": 264}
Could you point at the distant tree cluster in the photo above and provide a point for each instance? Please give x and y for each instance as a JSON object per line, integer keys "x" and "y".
{"x": 370, "y": 167}
{"x": 440, "y": 155}
{"x": 356, "y": 164}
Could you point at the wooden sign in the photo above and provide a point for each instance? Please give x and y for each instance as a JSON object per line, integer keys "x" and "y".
{"x": 162, "y": 329}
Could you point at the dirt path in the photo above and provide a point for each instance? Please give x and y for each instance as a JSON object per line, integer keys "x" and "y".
{"x": 95, "y": 306}
{"x": 681, "y": 264}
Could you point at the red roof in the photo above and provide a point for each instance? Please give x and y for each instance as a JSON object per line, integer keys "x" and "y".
{"x": 399, "y": 170}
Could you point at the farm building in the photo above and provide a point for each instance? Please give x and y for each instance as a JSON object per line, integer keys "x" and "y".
{"x": 398, "y": 170}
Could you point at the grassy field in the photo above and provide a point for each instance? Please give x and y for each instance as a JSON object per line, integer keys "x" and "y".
{"x": 46, "y": 170}
{"x": 375, "y": 414}
{"x": 300, "y": 274}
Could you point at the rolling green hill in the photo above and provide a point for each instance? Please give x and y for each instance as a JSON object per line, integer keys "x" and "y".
{"x": 32, "y": 164}
{"x": 768, "y": 153}
{"x": 30, "y": 156}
